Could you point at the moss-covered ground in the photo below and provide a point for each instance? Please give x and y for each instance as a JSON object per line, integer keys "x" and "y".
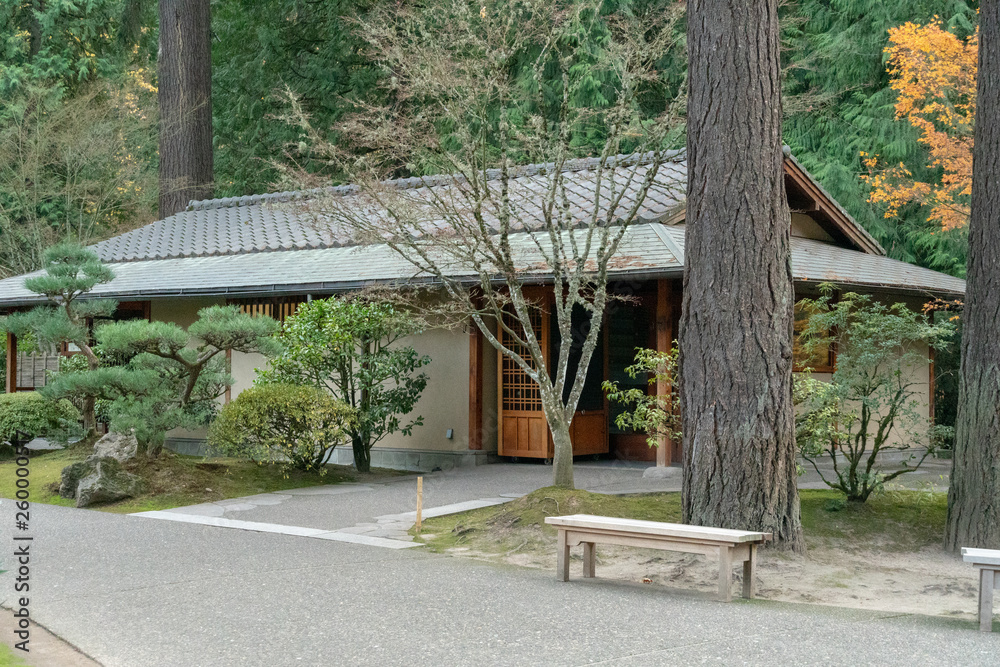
{"x": 896, "y": 520}
{"x": 173, "y": 480}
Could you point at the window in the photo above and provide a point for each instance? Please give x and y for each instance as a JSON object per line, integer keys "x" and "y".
{"x": 818, "y": 360}
{"x": 280, "y": 308}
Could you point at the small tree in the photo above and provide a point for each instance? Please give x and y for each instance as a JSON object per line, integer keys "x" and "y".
{"x": 71, "y": 271}
{"x": 349, "y": 348}
{"x": 171, "y": 377}
{"x": 655, "y": 415}
{"x": 282, "y": 423}
{"x": 473, "y": 90}
{"x": 871, "y": 404}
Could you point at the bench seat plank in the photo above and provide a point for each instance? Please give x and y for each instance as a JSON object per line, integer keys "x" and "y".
{"x": 984, "y": 556}
{"x": 677, "y": 530}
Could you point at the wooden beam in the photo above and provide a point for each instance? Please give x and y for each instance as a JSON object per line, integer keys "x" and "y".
{"x": 664, "y": 336}
{"x": 11, "y": 380}
{"x": 229, "y": 371}
{"x": 475, "y": 387}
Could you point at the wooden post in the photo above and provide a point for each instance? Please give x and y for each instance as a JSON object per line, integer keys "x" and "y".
{"x": 229, "y": 371}
{"x": 725, "y": 574}
{"x": 475, "y": 387}
{"x": 589, "y": 560}
{"x": 11, "y": 366}
{"x": 562, "y": 557}
{"x": 750, "y": 573}
{"x": 986, "y": 585}
{"x": 420, "y": 502}
{"x": 663, "y": 340}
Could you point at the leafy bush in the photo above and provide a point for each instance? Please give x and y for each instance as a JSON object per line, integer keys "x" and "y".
{"x": 34, "y": 414}
{"x": 282, "y": 423}
{"x": 656, "y": 416}
{"x": 350, "y": 348}
{"x": 872, "y": 404}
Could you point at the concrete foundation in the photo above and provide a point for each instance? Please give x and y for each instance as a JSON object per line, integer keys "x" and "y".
{"x": 382, "y": 457}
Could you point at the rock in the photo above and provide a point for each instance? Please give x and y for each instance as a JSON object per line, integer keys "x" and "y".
{"x": 119, "y": 446}
{"x": 661, "y": 472}
{"x": 99, "y": 480}
{"x": 106, "y": 483}
{"x": 71, "y": 476}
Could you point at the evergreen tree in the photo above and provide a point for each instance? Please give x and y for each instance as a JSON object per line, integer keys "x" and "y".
{"x": 840, "y": 105}
{"x": 71, "y": 272}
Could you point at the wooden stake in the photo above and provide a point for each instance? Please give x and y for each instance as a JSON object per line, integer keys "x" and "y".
{"x": 420, "y": 502}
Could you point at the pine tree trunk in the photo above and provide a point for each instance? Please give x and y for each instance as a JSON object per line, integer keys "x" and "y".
{"x": 89, "y": 414}
{"x": 974, "y": 486}
{"x": 736, "y": 328}
{"x": 184, "y": 72}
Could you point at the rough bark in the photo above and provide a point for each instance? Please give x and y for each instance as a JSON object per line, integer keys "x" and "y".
{"x": 736, "y": 327}
{"x": 562, "y": 458}
{"x": 974, "y": 486}
{"x": 184, "y": 71}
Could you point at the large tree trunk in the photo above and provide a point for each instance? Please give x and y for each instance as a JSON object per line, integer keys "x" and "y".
{"x": 736, "y": 327}
{"x": 184, "y": 69}
{"x": 974, "y": 487}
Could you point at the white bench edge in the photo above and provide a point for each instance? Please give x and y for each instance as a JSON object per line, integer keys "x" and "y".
{"x": 656, "y": 528}
{"x": 981, "y": 556}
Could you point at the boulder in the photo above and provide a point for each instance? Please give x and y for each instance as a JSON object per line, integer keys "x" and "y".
{"x": 99, "y": 480}
{"x": 119, "y": 446}
{"x": 71, "y": 476}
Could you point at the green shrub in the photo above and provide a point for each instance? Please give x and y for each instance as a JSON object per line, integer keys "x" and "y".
{"x": 32, "y": 413}
{"x": 282, "y": 423}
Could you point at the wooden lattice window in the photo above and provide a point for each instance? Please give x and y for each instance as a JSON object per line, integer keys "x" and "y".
{"x": 280, "y": 308}
{"x": 520, "y": 392}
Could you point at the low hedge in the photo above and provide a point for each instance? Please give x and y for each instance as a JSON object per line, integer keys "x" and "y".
{"x": 282, "y": 423}
{"x": 32, "y": 413}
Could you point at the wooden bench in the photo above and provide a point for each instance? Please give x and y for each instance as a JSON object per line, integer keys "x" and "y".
{"x": 987, "y": 561}
{"x": 731, "y": 546}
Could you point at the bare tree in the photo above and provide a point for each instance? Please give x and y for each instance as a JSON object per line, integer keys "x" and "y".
{"x": 974, "y": 486}
{"x": 184, "y": 69}
{"x": 736, "y": 326}
{"x": 516, "y": 83}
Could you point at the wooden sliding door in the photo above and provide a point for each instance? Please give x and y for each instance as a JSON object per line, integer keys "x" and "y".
{"x": 523, "y": 430}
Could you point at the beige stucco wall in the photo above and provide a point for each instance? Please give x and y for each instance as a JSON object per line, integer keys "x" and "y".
{"x": 919, "y": 376}
{"x": 444, "y": 404}
{"x": 182, "y": 312}
{"x": 803, "y": 226}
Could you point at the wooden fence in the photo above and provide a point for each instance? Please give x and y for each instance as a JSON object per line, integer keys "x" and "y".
{"x": 32, "y": 367}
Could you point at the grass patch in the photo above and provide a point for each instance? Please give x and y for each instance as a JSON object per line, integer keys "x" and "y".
{"x": 900, "y": 520}
{"x": 521, "y": 523}
{"x": 174, "y": 480}
{"x": 896, "y": 520}
{"x": 8, "y": 658}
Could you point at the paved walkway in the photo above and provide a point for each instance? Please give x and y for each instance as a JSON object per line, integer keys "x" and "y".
{"x": 134, "y": 592}
{"x": 381, "y": 514}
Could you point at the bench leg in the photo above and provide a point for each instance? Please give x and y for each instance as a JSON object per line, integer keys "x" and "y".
{"x": 986, "y": 578}
{"x": 562, "y": 558}
{"x": 589, "y": 560}
{"x": 750, "y": 573}
{"x": 725, "y": 574}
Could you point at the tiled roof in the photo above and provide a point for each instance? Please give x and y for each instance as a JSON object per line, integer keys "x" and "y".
{"x": 649, "y": 250}
{"x": 234, "y": 246}
{"x": 286, "y": 221}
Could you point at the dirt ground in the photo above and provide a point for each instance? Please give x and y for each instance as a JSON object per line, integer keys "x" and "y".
{"x": 928, "y": 581}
